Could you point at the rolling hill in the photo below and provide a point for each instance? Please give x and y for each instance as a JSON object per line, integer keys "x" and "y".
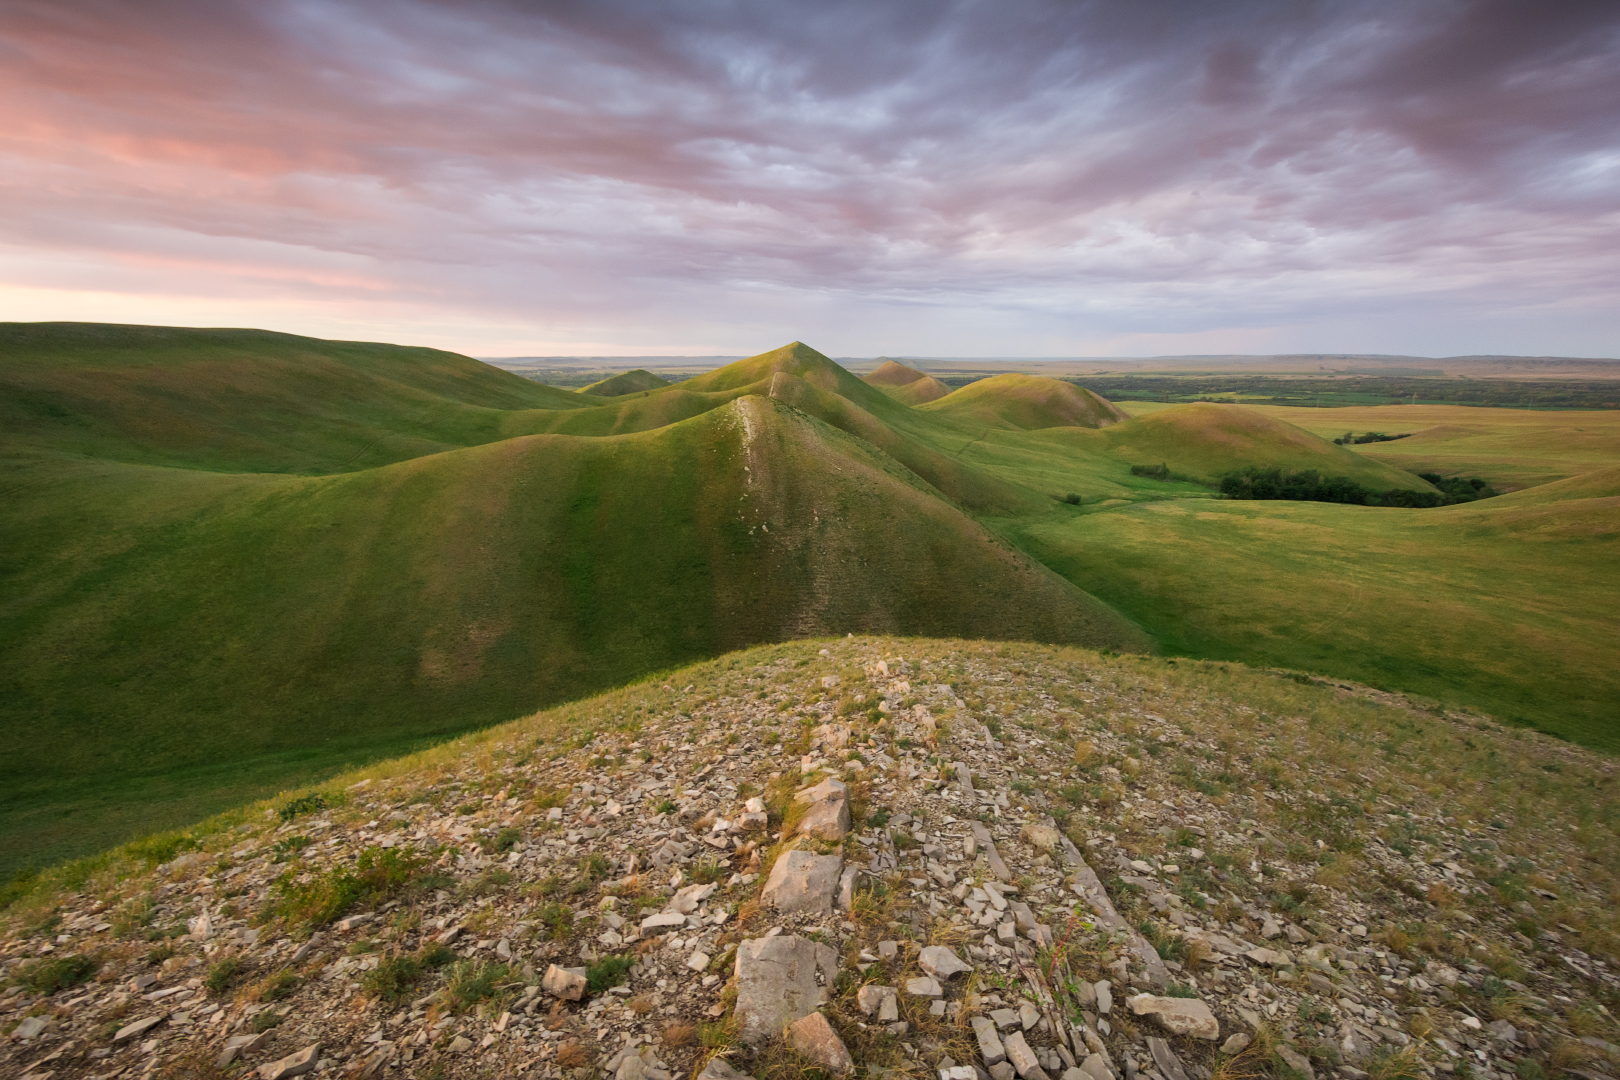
{"x": 233, "y": 561}
{"x": 175, "y": 637}
{"x": 905, "y": 384}
{"x": 1026, "y": 403}
{"x": 629, "y": 382}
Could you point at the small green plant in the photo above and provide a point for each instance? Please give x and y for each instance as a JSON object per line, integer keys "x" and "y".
{"x": 709, "y": 871}
{"x": 379, "y": 874}
{"x": 395, "y": 977}
{"x": 472, "y": 981}
{"x": 665, "y": 807}
{"x": 503, "y": 841}
{"x": 49, "y": 976}
{"x": 287, "y": 847}
{"x": 222, "y": 976}
{"x": 606, "y": 972}
{"x": 279, "y": 985}
{"x": 1180, "y": 990}
{"x": 264, "y": 1021}
{"x": 307, "y": 804}
{"x": 595, "y": 867}
{"x": 557, "y": 919}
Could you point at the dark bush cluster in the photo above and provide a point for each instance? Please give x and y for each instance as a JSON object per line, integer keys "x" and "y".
{"x": 1308, "y": 485}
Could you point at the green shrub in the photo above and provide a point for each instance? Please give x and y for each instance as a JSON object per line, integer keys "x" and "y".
{"x": 49, "y": 976}
{"x": 379, "y": 874}
{"x": 503, "y": 841}
{"x": 223, "y": 974}
{"x": 396, "y": 977}
{"x": 307, "y": 804}
{"x": 606, "y": 972}
{"x": 557, "y": 919}
{"x": 472, "y": 981}
{"x": 279, "y": 985}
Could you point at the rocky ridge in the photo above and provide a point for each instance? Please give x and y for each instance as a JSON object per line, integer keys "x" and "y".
{"x": 873, "y": 856}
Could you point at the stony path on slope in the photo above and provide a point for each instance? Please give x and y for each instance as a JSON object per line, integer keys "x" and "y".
{"x": 918, "y": 887}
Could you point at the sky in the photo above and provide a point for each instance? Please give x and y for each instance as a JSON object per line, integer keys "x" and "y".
{"x": 938, "y": 179}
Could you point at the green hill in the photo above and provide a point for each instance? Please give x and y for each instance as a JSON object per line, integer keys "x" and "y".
{"x": 234, "y": 561}
{"x": 174, "y": 639}
{"x": 906, "y": 384}
{"x": 1205, "y": 440}
{"x": 246, "y": 400}
{"x": 1026, "y": 403}
{"x": 628, "y": 382}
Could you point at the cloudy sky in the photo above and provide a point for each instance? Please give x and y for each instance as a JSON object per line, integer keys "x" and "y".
{"x": 999, "y": 178}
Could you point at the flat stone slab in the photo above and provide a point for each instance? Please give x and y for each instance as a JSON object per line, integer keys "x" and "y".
{"x": 717, "y": 1069}
{"x": 803, "y": 881}
{"x": 1178, "y": 1016}
{"x": 924, "y": 987}
{"x": 941, "y": 962}
{"x": 139, "y": 1027}
{"x": 777, "y": 985}
{"x": 990, "y": 1047}
{"x": 815, "y": 1038}
{"x": 828, "y": 815}
{"x": 292, "y": 1065}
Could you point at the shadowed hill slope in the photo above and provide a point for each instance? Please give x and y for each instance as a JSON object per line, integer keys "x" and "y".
{"x": 906, "y": 384}
{"x": 627, "y": 382}
{"x": 1027, "y": 403}
{"x": 247, "y": 400}
{"x": 174, "y": 639}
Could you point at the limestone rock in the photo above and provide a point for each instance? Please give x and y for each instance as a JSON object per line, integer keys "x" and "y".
{"x": 803, "y": 881}
{"x": 718, "y": 1069}
{"x": 827, "y": 817}
{"x": 776, "y": 983}
{"x": 871, "y": 998}
{"x": 1179, "y": 1016}
{"x": 924, "y": 987}
{"x": 941, "y": 962}
{"x": 1096, "y": 1068}
{"x": 1042, "y": 838}
{"x": 138, "y": 1027}
{"x": 687, "y": 900}
{"x": 1296, "y": 1061}
{"x": 1023, "y": 1059}
{"x": 292, "y": 1065}
{"x": 990, "y": 1046}
{"x": 562, "y": 983}
{"x": 815, "y": 1038}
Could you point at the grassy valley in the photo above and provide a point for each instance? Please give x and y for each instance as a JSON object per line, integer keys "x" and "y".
{"x": 236, "y": 561}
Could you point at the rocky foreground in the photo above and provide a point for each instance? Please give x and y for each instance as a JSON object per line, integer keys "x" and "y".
{"x": 929, "y": 859}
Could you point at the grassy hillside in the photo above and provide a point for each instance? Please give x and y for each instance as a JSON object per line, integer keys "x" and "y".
{"x": 905, "y": 384}
{"x": 1512, "y": 448}
{"x": 246, "y": 400}
{"x": 231, "y": 561}
{"x": 174, "y": 638}
{"x": 1204, "y": 441}
{"x": 628, "y": 382}
{"x": 1026, "y": 403}
{"x": 1504, "y": 605}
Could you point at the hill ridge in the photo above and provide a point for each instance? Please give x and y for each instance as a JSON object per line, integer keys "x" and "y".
{"x": 542, "y": 882}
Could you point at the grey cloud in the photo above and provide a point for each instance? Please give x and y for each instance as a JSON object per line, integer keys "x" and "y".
{"x": 1095, "y": 167}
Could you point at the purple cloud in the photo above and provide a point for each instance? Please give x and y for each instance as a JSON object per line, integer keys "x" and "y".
{"x": 972, "y": 178}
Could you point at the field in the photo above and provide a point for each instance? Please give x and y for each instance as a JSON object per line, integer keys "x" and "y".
{"x": 236, "y": 562}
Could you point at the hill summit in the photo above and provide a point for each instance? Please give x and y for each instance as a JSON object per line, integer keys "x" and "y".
{"x": 874, "y": 856}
